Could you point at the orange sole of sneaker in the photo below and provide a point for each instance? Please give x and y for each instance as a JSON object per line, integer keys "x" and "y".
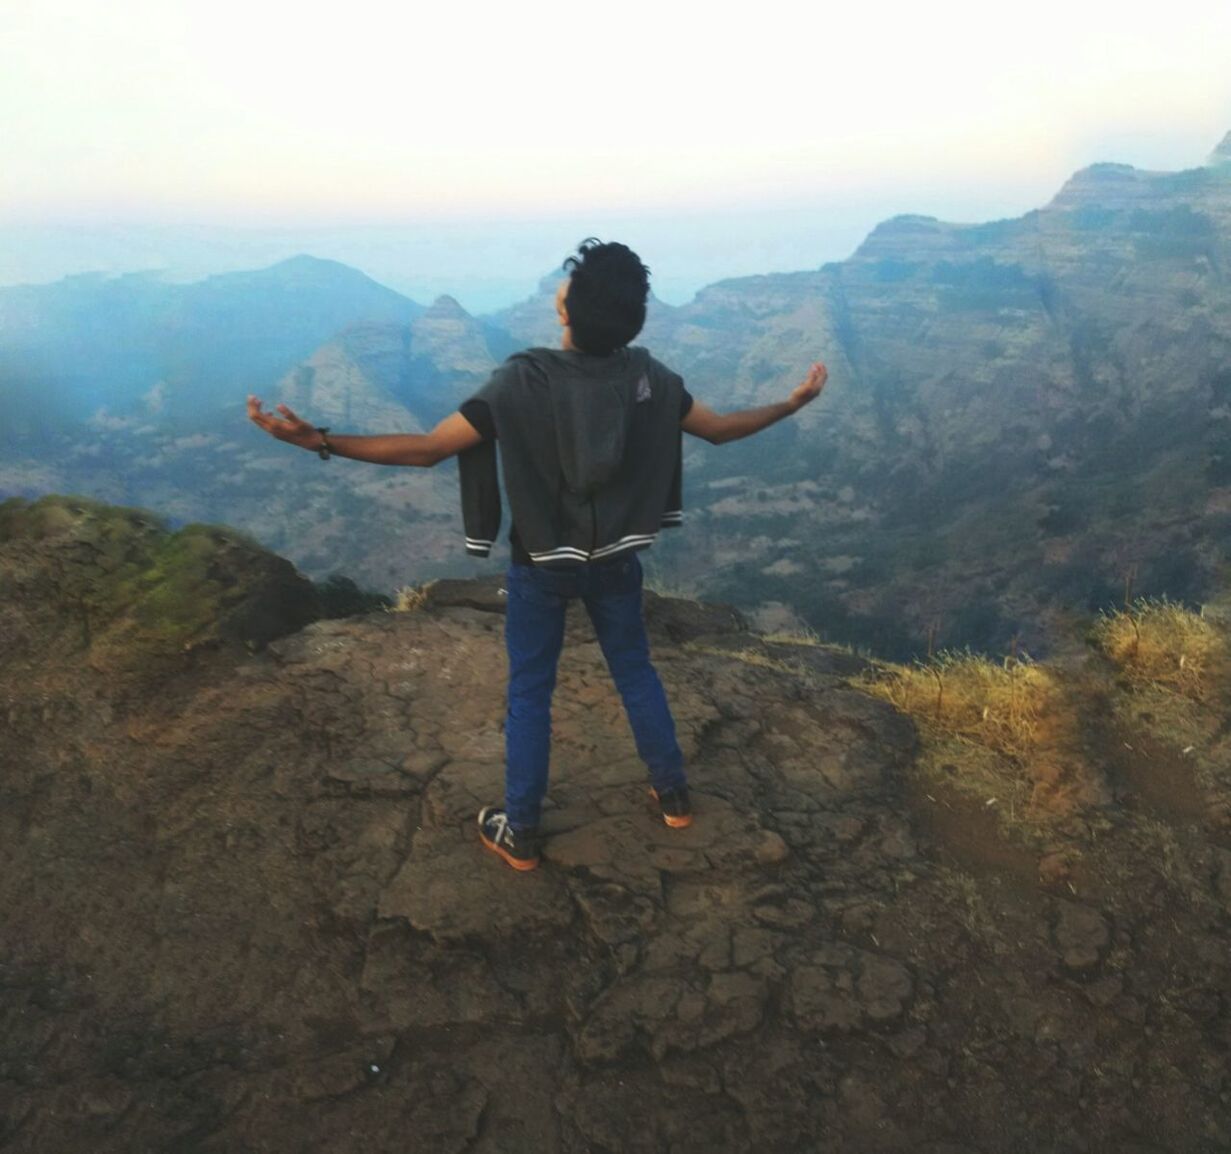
{"x": 517, "y": 863}
{"x": 674, "y": 822}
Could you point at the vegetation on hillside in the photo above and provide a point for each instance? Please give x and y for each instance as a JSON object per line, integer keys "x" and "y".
{"x": 1159, "y": 643}
{"x": 130, "y": 588}
{"x": 1045, "y": 741}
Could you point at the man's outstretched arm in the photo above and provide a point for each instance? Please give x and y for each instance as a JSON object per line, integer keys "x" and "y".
{"x": 451, "y": 436}
{"x": 717, "y": 428}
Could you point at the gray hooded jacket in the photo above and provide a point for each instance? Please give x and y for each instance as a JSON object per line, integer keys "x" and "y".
{"x": 590, "y": 451}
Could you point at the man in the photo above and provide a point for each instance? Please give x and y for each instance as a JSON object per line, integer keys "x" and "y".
{"x": 589, "y": 439}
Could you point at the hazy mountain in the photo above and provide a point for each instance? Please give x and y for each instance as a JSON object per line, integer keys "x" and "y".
{"x": 1024, "y": 418}
{"x": 136, "y": 345}
{"x": 159, "y": 374}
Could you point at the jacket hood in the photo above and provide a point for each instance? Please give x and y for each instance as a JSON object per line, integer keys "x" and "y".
{"x": 592, "y": 401}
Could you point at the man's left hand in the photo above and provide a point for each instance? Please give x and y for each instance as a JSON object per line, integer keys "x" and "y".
{"x": 809, "y": 388}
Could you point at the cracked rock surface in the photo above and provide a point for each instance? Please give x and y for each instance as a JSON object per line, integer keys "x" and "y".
{"x": 245, "y": 909}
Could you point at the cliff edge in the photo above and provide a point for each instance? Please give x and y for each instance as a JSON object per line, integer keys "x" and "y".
{"x": 245, "y": 907}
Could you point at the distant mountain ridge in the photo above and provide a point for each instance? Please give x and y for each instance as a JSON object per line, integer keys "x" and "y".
{"x": 1221, "y": 154}
{"x": 1025, "y": 419}
{"x": 95, "y": 341}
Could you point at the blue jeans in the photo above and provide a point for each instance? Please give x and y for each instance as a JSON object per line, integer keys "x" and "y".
{"x": 534, "y": 634}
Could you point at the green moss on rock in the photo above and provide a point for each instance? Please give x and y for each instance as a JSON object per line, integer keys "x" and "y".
{"x": 131, "y": 585}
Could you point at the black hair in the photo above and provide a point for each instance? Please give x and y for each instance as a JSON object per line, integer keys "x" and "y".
{"x": 606, "y": 296}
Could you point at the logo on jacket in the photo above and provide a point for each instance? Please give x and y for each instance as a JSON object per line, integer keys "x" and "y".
{"x": 643, "y": 389}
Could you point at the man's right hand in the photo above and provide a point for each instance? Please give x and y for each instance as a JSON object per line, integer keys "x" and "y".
{"x": 809, "y": 388}
{"x": 290, "y": 428}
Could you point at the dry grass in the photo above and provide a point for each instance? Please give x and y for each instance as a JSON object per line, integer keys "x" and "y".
{"x": 749, "y": 657}
{"x": 411, "y": 598}
{"x": 802, "y": 636}
{"x": 673, "y": 590}
{"x": 986, "y": 728}
{"x": 969, "y": 697}
{"x": 1017, "y": 734}
{"x": 1162, "y": 644}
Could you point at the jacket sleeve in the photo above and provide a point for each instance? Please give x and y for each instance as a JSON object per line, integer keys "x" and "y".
{"x": 673, "y": 515}
{"x": 477, "y": 470}
{"x": 673, "y": 512}
{"x": 480, "y": 483}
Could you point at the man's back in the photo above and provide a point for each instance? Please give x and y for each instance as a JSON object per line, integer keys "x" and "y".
{"x": 590, "y": 452}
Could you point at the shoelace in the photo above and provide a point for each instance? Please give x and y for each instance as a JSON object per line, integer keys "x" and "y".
{"x": 503, "y": 830}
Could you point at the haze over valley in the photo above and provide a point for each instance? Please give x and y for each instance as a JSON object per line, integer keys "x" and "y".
{"x": 1025, "y": 419}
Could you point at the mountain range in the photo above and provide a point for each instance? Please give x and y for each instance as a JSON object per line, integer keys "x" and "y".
{"x": 1026, "y": 419}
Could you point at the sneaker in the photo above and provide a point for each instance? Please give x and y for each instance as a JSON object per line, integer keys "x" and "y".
{"x": 675, "y": 806}
{"x": 520, "y": 850}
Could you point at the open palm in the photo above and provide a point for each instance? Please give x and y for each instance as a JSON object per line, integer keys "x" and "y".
{"x": 810, "y": 387}
{"x": 290, "y": 428}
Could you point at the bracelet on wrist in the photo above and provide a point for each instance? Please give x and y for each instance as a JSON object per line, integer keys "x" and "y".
{"x": 324, "y": 450}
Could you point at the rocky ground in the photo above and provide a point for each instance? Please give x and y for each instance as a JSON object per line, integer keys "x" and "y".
{"x": 245, "y": 906}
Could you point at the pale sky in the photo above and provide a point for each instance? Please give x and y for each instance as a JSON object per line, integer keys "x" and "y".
{"x": 446, "y": 147}
{"x": 254, "y": 112}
